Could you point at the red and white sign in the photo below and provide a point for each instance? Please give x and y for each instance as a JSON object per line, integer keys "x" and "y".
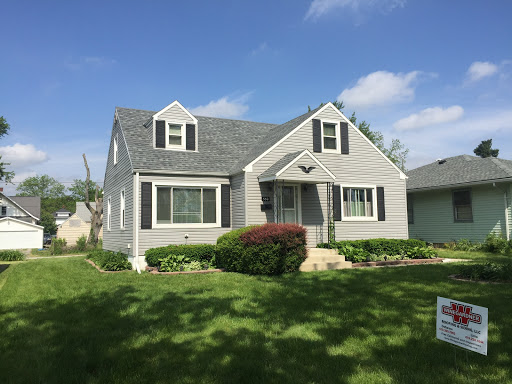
{"x": 462, "y": 324}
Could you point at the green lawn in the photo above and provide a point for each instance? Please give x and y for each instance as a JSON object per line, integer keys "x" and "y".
{"x": 64, "y": 322}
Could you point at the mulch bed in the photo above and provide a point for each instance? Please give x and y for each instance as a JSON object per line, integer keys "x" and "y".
{"x": 101, "y": 270}
{"x": 396, "y": 262}
{"x": 154, "y": 271}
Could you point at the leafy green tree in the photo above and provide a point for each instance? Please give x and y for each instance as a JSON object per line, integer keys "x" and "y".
{"x": 52, "y": 204}
{"x": 396, "y": 152}
{"x": 48, "y": 222}
{"x": 4, "y": 175}
{"x": 43, "y": 186}
{"x": 77, "y": 190}
{"x": 484, "y": 149}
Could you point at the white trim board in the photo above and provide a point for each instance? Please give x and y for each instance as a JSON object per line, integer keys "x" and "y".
{"x": 21, "y": 222}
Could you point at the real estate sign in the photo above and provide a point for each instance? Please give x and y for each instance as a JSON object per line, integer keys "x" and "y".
{"x": 462, "y": 324}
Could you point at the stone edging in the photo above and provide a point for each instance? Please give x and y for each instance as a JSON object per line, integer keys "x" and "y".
{"x": 396, "y": 262}
{"x": 101, "y": 270}
{"x": 154, "y": 271}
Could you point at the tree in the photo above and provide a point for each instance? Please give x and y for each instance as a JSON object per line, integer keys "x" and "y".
{"x": 77, "y": 190}
{"x": 484, "y": 149}
{"x": 4, "y": 175}
{"x": 48, "y": 222}
{"x": 96, "y": 214}
{"x": 43, "y": 186}
{"x": 396, "y": 152}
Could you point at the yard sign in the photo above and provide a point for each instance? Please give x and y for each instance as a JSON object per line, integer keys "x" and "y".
{"x": 462, "y": 324}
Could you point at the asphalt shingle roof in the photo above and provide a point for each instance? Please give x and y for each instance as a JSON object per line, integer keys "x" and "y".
{"x": 32, "y": 204}
{"x": 224, "y": 146}
{"x": 280, "y": 164}
{"x": 463, "y": 169}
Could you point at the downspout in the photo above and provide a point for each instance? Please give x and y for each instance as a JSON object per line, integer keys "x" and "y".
{"x": 136, "y": 213}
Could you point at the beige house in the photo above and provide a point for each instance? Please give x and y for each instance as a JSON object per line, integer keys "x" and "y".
{"x": 77, "y": 225}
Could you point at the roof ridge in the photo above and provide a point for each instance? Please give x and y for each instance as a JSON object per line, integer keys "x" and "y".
{"x": 499, "y": 163}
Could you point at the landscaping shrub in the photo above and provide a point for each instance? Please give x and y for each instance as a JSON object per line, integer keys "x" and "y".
{"x": 487, "y": 271}
{"x": 270, "y": 249}
{"x": 109, "y": 261}
{"x": 177, "y": 263}
{"x": 81, "y": 243}
{"x": 11, "y": 255}
{"x": 421, "y": 253}
{"x": 496, "y": 243}
{"x": 57, "y": 246}
{"x": 379, "y": 247}
{"x": 204, "y": 253}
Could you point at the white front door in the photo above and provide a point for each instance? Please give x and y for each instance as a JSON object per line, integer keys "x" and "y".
{"x": 290, "y": 204}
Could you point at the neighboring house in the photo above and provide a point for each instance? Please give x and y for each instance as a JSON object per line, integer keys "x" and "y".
{"x": 61, "y": 216}
{"x": 462, "y": 197}
{"x": 175, "y": 178}
{"x": 18, "y": 218}
{"x": 78, "y": 224}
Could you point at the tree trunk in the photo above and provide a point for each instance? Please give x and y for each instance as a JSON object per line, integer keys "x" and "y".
{"x": 96, "y": 214}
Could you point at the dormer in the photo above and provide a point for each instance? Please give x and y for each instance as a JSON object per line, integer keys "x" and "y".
{"x": 174, "y": 128}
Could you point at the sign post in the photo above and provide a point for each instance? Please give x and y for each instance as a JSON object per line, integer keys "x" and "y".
{"x": 462, "y": 324}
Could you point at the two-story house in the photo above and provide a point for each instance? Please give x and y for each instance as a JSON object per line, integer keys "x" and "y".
{"x": 176, "y": 178}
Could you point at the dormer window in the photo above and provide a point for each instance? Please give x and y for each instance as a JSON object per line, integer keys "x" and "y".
{"x": 175, "y": 135}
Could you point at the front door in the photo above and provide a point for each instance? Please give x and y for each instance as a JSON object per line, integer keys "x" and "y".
{"x": 289, "y": 204}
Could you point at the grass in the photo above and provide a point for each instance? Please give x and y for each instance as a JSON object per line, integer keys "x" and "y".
{"x": 64, "y": 322}
{"x": 475, "y": 256}
{"x": 65, "y": 252}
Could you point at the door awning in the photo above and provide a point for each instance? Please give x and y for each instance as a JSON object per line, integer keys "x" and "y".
{"x": 301, "y": 166}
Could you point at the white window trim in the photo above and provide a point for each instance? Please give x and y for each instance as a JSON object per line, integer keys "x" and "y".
{"x": 122, "y": 207}
{"x": 116, "y": 148}
{"x": 338, "y": 138}
{"x": 217, "y": 186}
{"x": 360, "y": 218}
{"x": 109, "y": 213}
{"x": 183, "y": 136}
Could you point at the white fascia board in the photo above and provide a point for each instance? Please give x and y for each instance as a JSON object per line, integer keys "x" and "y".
{"x": 21, "y": 222}
{"x": 125, "y": 143}
{"x": 175, "y": 103}
{"x": 312, "y": 157}
{"x": 20, "y": 207}
{"x": 248, "y": 167}
{"x": 403, "y": 176}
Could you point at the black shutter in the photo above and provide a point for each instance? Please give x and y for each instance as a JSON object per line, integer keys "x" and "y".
{"x": 146, "y": 206}
{"x": 317, "y": 136}
{"x": 160, "y": 134}
{"x": 336, "y": 205}
{"x": 191, "y": 137}
{"x": 344, "y": 137}
{"x": 381, "y": 209}
{"x": 225, "y": 209}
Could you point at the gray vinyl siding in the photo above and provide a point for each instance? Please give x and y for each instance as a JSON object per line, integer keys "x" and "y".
{"x": 363, "y": 166}
{"x": 159, "y": 237}
{"x": 117, "y": 177}
{"x": 238, "y": 201}
{"x": 510, "y": 210}
{"x": 434, "y": 221}
{"x": 294, "y": 173}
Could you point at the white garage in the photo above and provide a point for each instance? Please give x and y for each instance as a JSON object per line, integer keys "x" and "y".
{"x": 17, "y": 234}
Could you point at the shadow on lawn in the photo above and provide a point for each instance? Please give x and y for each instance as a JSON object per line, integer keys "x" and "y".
{"x": 3, "y": 267}
{"x": 317, "y": 328}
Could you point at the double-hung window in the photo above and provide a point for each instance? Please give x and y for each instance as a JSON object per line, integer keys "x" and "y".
{"x": 109, "y": 213}
{"x": 186, "y": 205}
{"x": 462, "y": 207}
{"x": 175, "y": 135}
{"x": 330, "y": 137}
{"x": 115, "y": 149}
{"x": 359, "y": 203}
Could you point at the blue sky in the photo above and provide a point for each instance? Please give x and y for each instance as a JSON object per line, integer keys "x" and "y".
{"x": 435, "y": 74}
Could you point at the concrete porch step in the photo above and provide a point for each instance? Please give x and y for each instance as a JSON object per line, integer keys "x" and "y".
{"x": 320, "y": 259}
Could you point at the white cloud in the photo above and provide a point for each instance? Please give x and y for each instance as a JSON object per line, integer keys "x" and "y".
{"x": 22, "y": 155}
{"x": 319, "y": 8}
{"x": 260, "y": 49}
{"x": 380, "y": 88}
{"x": 429, "y": 117}
{"x": 479, "y": 70}
{"x": 223, "y": 107}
